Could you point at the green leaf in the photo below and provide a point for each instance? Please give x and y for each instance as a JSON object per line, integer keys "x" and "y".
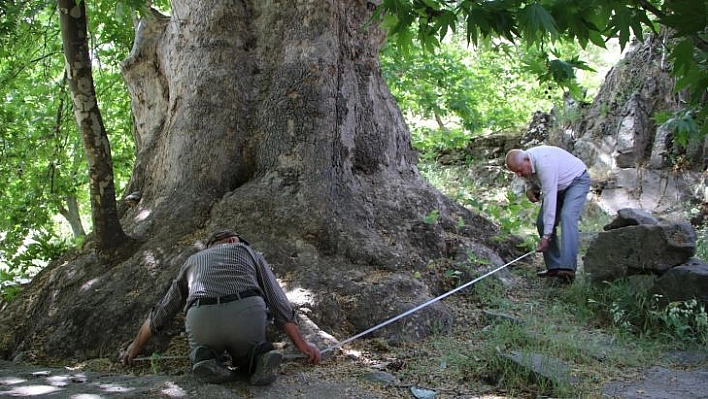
{"x": 682, "y": 56}
{"x": 432, "y": 4}
{"x": 535, "y": 22}
{"x": 620, "y": 22}
{"x": 687, "y": 16}
{"x": 561, "y": 71}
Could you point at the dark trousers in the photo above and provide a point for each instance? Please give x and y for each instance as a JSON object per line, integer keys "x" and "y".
{"x": 236, "y": 327}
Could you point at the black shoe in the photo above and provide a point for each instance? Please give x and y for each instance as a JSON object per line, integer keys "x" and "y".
{"x": 266, "y": 367}
{"x": 212, "y": 371}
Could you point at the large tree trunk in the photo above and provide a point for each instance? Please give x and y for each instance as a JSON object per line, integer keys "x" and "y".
{"x": 273, "y": 118}
{"x": 110, "y": 237}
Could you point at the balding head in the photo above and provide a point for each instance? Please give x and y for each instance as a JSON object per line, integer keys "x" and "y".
{"x": 519, "y": 162}
{"x": 514, "y": 158}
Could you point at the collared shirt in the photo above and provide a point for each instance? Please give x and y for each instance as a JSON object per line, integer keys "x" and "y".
{"x": 555, "y": 169}
{"x": 223, "y": 269}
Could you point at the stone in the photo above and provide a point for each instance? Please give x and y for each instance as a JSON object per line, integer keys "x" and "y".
{"x": 631, "y": 217}
{"x": 682, "y": 283}
{"x": 543, "y": 369}
{"x": 639, "y": 249}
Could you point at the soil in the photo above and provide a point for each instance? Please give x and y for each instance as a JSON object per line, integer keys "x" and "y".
{"x": 369, "y": 368}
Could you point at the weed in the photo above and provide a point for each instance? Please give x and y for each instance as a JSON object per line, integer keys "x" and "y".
{"x": 154, "y": 363}
{"x": 682, "y": 321}
{"x": 432, "y": 217}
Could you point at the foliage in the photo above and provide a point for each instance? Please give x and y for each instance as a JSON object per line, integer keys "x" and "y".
{"x": 41, "y": 151}
{"x": 513, "y": 217}
{"x": 540, "y": 25}
{"x": 684, "y": 321}
{"x": 625, "y": 305}
{"x": 702, "y": 242}
{"x": 457, "y": 92}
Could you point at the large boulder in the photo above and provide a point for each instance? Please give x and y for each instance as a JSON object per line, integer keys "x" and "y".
{"x": 636, "y": 244}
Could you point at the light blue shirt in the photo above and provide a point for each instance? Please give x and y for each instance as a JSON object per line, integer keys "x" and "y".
{"x": 554, "y": 169}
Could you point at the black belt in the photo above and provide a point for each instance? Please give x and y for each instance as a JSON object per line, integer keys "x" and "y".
{"x": 224, "y": 299}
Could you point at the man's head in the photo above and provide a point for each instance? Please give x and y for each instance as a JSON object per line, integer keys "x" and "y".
{"x": 222, "y": 234}
{"x": 519, "y": 162}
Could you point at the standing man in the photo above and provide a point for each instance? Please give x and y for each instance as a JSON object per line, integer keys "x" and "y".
{"x": 226, "y": 290}
{"x": 562, "y": 182}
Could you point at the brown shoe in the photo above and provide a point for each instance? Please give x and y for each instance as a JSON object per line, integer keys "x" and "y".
{"x": 565, "y": 273}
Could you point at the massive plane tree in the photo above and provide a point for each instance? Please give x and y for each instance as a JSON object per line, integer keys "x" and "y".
{"x": 272, "y": 117}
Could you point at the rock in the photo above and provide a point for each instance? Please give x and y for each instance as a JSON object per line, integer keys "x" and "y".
{"x": 492, "y": 317}
{"x": 380, "y": 377}
{"x": 631, "y": 217}
{"x": 682, "y": 283}
{"x": 640, "y": 249}
{"x": 659, "y": 383}
{"x": 544, "y": 370}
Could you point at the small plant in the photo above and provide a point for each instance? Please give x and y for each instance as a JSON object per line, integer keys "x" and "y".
{"x": 155, "y": 363}
{"x": 460, "y": 223}
{"x": 702, "y": 243}
{"x": 9, "y": 285}
{"x": 474, "y": 259}
{"x": 432, "y": 217}
{"x": 452, "y": 277}
{"x": 685, "y": 321}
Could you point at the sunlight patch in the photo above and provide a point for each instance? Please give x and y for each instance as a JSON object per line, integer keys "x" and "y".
{"x": 31, "y": 390}
{"x": 142, "y": 215}
{"x": 173, "y": 390}
{"x": 87, "y": 285}
{"x": 300, "y": 296}
{"x": 115, "y": 388}
{"x": 149, "y": 260}
{"x": 11, "y": 380}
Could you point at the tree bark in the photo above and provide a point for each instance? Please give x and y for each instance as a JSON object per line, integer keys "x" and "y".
{"x": 73, "y": 216}
{"x": 109, "y": 235}
{"x": 271, "y": 117}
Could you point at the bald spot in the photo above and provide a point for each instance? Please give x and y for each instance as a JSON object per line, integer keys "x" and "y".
{"x": 514, "y": 158}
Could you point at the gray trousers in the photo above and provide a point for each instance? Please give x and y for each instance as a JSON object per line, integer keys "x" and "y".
{"x": 236, "y": 327}
{"x": 562, "y": 252}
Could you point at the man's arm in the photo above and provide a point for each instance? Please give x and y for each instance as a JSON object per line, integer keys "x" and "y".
{"x": 144, "y": 334}
{"x": 308, "y": 349}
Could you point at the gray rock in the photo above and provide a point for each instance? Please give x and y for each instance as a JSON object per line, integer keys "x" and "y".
{"x": 640, "y": 249}
{"x": 492, "y": 317}
{"x": 631, "y": 217}
{"x": 684, "y": 282}
{"x": 380, "y": 377}
{"x": 661, "y": 383}
{"x": 543, "y": 369}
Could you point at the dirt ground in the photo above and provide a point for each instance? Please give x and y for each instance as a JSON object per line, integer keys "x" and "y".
{"x": 366, "y": 368}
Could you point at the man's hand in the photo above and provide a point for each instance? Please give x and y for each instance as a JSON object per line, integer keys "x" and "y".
{"x": 144, "y": 334}
{"x": 543, "y": 244}
{"x": 533, "y": 194}
{"x": 126, "y": 357}
{"x": 312, "y": 352}
{"x": 306, "y": 348}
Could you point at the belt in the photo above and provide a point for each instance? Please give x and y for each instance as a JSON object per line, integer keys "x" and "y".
{"x": 224, "y": 299}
